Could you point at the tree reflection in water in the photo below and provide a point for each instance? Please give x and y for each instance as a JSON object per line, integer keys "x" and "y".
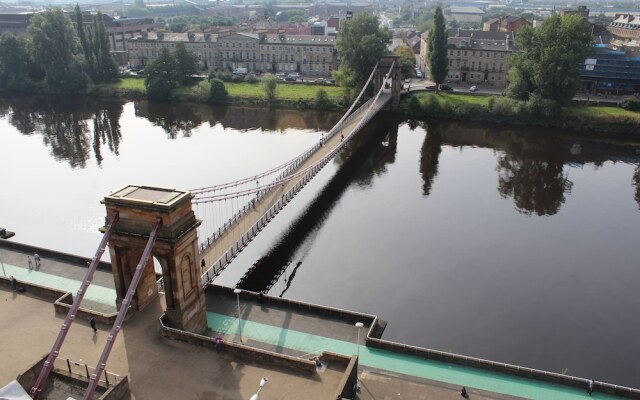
{"x": 429, "y": 155}
{"x": 636, "y": 182}
{"x": 531, "y": 171}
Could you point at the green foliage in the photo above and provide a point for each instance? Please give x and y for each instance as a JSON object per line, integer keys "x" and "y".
{"x": 269, "y": 84}
{"x": 251, "y": 78}
{"x": 414, "y": 108}
{"x": 106, "y": 67}
{"x": 186, "y": 62}
{"x": 322, "y": 99}
{"x": 54, "y": 45}
{"x": 631, "y": 103}
{"x": 161, "y": 76}
{"x": 218, "y": 91}
{"x": 360, "y": 43}
{"x": 407, "y": 59}
{"x": 438, "y": 63}
{"x": 225, "y": 76}
{"x": 14, "y": 64}
{"x": 549, "y": 63}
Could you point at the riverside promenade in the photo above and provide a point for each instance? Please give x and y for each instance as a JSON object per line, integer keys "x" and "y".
{"x": 269, "y": 323}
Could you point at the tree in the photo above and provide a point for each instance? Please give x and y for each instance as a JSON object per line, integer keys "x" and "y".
{"x": 84, "y": 43}
{"x": 106, "y": 66}
{"x": 360, "y": 43}
{"x": 55, "y": 46}
{"x": 218, "y": 91}
{"x": 186, "y": 62}
{"x": 438, "y": 63}
{"x": 549, "y": 62}
{"x": 322, "y": 99}
{"x": 14, "y": 63}
{"x": 407, "y": 59}
{"x": 269, "y": 85}
{"x": 161, "y": 76}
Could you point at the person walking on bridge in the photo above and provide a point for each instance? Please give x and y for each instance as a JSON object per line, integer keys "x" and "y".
{"x": 92, "y": 322}
{"x": 30, "y": 262}
{"x": 36, "y": 257}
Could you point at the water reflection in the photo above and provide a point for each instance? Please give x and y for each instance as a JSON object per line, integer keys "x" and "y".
{"x": 429, "y": 154}
{"x": 363, "y": 159}
{"x": 636, "y": 183}
{"x": 76, "y": 129}
{"x": 531, "y": 172}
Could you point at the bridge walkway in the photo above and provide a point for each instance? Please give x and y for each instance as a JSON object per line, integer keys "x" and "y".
{"x": 218, "y": 254}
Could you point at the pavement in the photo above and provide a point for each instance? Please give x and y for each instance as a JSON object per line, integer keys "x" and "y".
{"x": 162, "y": 368}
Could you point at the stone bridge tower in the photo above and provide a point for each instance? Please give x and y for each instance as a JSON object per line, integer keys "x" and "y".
{"x": 395, "y": 85}
{"x": 176, "y": 249}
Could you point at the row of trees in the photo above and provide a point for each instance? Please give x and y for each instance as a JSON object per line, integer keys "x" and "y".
{"x": 67, "y": 60}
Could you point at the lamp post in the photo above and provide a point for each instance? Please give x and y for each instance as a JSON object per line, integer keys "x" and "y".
{"x": 359, "y": 325}
{"x": 237, "y": 292}
{"x": 263, "y": 383}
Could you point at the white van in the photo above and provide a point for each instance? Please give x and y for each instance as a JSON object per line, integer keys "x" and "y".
{"x": 240, "y": 71}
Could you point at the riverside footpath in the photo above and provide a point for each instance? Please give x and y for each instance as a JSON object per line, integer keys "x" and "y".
{"x": 386, "y": 369}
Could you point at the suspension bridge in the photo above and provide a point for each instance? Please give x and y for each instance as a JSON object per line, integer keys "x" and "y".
{"x": 234, "y": 213}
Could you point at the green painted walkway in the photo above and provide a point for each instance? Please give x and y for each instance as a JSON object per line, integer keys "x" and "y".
{"x": 95, "y": 293}
{"x": 400, "y": 363}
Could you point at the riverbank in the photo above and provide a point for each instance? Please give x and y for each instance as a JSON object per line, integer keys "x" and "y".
{"x": 579, "y": 117}
{"x": 288, "y": 95}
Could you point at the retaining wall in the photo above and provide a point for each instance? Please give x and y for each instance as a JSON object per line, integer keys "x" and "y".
{"x": 52, "y": 254}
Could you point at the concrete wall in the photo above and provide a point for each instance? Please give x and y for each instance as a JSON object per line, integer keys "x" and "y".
{"x": 52, "y": 254}
{"x": 349, "y": 378}
{"x": 61, "y": 300}
{"x": 251, "y": 353}
{"x": 509, "y": 369}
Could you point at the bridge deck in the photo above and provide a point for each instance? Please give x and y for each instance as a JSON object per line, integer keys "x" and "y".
{"x": 233, "y": 234}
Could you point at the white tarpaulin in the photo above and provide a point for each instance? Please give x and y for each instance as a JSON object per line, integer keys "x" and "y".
{"x": 13, "y": 391}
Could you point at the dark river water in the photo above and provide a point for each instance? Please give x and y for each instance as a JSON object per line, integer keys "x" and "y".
{"x": 515, "y": 245}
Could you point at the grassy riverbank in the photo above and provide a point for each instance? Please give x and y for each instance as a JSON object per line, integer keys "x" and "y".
{"x": 294, "y": 94}
{"x": 539, "y": 112}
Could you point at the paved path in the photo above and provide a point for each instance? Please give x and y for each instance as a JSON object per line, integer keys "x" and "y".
{"x": 453, "y": 374}
{"x": 62, "y": 275}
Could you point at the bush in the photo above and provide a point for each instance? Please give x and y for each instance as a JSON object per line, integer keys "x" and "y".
{"x": 414, "y": 107}
{"x": 631, "y": 104}
{"x": 251, "y": 78}
{"x": 218, "y": 91}
{"x": 540, "y": 107}
{"x": 202, "y": 90}
{"x": 502, "y": 106}
{"x": 269, "y": 85}
{"x": 225, "y": 76}
{"x": 322, "y": 99}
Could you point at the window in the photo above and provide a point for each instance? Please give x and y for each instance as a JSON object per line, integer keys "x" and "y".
{"x": 471, "y": 76}
{"x": 451, "y": 63}
{"x": 480, "y": 54}
{"x": 501, "y": 55}
{"x": 473, "y": 53}
{"x": 451, "y": 53}
{"x": 473, "y": 65}
{"x": 495, "y": 55}
{"x": 458, "y": 53}
{"x": 500, "y": 67}
{"x": 464, "y": 53}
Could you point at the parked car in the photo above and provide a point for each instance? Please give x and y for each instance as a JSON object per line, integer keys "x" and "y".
{"x": 290, "y": 78}
{"x": 473, "y": 89}
{"x": 407, "y": 80}
{"x": 419, "y": 74}
{"x": 430, "y": 87}
{"x": 281, "y": 75}
{"x": 322, "y": 81}
{"x": 446, "y": 88}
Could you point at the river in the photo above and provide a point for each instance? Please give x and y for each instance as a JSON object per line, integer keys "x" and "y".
{"x": 514, "y": 245}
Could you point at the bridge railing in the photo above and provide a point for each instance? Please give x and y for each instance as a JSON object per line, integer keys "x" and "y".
{"x": 213, "y": 271}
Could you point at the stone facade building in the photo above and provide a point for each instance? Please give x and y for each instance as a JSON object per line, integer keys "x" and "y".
{"x": 475, "y": 57}
{"x": 308, "y": 55}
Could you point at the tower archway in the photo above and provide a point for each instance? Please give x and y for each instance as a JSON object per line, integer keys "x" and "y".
{"x": 394, "y": 78}
{"x": 176, "y": 249}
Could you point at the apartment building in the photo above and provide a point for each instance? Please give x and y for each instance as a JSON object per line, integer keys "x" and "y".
{"x": 309, "y": 55}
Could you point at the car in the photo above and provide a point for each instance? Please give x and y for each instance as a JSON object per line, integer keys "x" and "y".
{"x": 419, "y": 74}
{"x": 322, "y": 81}
{"x": 290, "y": 78}
{"x": 407, "y": 80}
{"x": 430, "y": 87}
{"x": 281, "y": 75}
{"x": 446, "y": 88}
{"x": 473, "y": 89}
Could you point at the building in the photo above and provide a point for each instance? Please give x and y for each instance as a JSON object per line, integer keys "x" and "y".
{"x": 509, "y": 23}
{"x": 476, "y": 57}
{"x": 611, "y": 71}
{"x": 144, "y": 49}
{"x": 626, "y": 26}
{"x": 582, "y": 11}
{"x": 465, "y": 15}
{"x": 307, "y": 55}
{"x": 15, "y": 23}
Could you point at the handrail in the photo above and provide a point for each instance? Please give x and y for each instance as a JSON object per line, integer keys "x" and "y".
{"x": 36, "y": 390}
